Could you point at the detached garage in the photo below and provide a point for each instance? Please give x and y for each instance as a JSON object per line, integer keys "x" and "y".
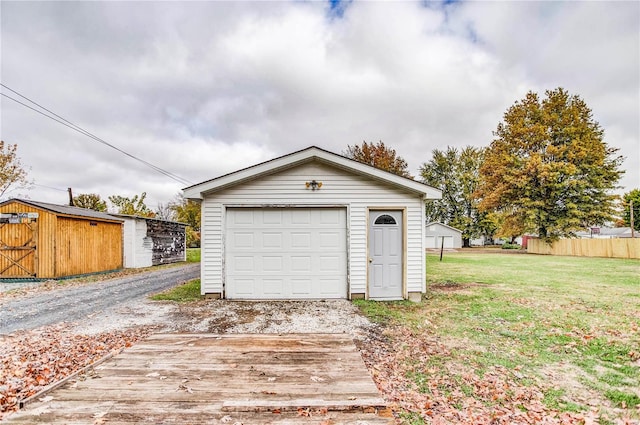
{"x": 312, "y": 225}
{"x": 440, "y": 235}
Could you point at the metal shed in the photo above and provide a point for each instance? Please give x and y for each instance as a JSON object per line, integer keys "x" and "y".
{"x": 45, "y": 241}
{"x": 151, "y": 242}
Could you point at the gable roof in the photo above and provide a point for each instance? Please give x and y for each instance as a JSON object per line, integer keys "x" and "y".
{"x": 309, "y": 154}
{"x": 443, "y": 225}
{"x": 66, "y": 210}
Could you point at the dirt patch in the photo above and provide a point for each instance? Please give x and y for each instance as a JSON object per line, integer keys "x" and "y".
{"x": 224, "y": 316}
{"x": 570, "y": 378}
{"x": 453, "y": 286}
{"x": 459, "y": 288}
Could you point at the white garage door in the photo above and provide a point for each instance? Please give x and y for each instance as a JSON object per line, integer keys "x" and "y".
{"x": 430, "y": 242}
{"x": 436, "y": 241}
{"x": 286, "y": 253}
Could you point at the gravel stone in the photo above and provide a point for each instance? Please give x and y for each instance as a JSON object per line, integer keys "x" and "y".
{"x": 122, "y": 303}
{"x": 123, "y": 300}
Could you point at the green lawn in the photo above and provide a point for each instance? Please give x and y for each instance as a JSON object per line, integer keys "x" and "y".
{"x": 193, "y": 255}
{"x": 566, "y": 327}
{"x": 188, "y": 291}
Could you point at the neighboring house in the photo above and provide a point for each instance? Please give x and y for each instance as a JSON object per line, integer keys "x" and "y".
{"x": 151, "y": 242}
{"x": 606, "y": 233}
{"x": 42, "y": 240}
{"x": 437, "y": 233}
{"x": 312, "y": 225}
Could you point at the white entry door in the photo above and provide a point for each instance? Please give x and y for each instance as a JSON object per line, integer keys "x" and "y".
{"x": 385, "y": 255}
{"x": 286, "y": 253}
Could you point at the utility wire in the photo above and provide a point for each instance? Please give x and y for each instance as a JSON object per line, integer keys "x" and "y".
{"x": 49, "y": 187}
{"x": 81, "y": 130}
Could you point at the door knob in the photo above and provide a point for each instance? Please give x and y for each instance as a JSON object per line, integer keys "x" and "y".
{"x": 371, "y": 260}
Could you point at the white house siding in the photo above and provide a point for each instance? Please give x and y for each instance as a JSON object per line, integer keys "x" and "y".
{"x": 339, "y": 188}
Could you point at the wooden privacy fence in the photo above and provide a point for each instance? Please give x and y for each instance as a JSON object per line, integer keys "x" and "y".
{"x": 610, "y": 248}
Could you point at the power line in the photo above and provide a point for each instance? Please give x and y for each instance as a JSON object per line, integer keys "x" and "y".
{"x": 84, "y": 132}
{"x": 49, "y": 187}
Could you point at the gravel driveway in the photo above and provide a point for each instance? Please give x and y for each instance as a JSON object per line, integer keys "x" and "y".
{"x": 122, "y": 303}
{"x": 96, "y": 302}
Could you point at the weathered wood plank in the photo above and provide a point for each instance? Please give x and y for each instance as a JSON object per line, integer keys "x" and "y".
{"x": 181, "y": 379}
{"x": 194, "y": 417}
{"x": 143, "y": 364}
{"x": 323, "y": 399}
{"x": 231, "y": 343}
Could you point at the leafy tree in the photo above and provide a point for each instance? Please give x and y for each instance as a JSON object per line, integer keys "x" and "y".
{"x": 90, "y": 201}
{"x": 165, "y": 212}
{"x": 131, "y": 206}
{"x": 12, "y": 172}
{"x": 380, "y": 156}
{"x": 455, "y": 173}
{"x": 189, "y": 212}
{"x": 548, "y": 170}
{"x": 633, "y": 195}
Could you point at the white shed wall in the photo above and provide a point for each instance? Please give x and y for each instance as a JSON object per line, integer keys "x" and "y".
{"x": 340, "y": 188}
{"x": 138, "y": 248}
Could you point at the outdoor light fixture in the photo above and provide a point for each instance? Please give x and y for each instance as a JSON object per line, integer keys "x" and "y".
{"x": 314, "y": 185}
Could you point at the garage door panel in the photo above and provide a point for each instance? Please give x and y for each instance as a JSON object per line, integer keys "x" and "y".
{"x": 245, "y": 287}
{"x": 330, "y": 287}
{"x": 243, "y": 217}
{"x": 331, "y": 240}
{"x": 301, "y": 287}
{"x": 243, "y": 264}
{"x": 272, "y": 264}
{"x": 301, "y": 217}
{"x": 272, "y": 240}
{"x": 243, "y": 240}
{"x": 288, "y": 253}
{"x": 330, "y": 263}
{"x": 330, "y": 217}
{"x": 448, "y": 241}
{"x": 301, "y": 263}
{"x": 300, "y": 240}
{"x": 271, "y": 217}
{"x": 273, "y": 287}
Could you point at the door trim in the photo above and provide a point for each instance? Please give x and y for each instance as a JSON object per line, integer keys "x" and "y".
{"x": 403, "y": 210}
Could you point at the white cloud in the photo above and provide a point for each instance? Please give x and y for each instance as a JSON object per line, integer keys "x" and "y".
{"x": 204, "y": 88}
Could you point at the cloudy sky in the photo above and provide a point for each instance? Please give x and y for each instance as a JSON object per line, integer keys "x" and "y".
{"x": 204, "y": 88}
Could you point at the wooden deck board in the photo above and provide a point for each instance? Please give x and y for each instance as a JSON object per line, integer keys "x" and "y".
{"x": 211, "y": 379}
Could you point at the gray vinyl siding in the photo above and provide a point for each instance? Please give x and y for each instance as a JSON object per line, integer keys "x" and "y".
{"x": 340, "y": 188}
